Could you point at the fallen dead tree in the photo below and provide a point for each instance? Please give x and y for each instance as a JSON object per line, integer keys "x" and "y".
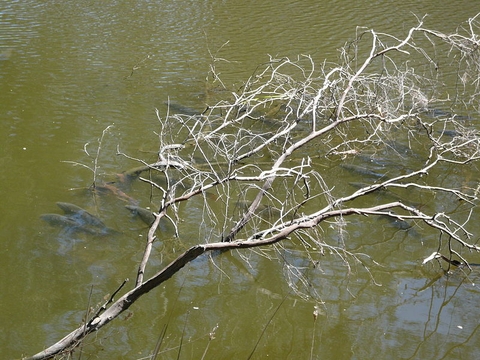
{"x": 257, "y": 147}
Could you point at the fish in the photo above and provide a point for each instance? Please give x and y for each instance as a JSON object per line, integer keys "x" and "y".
{"x": 82, "y": 216}
{"x": 444, "y": 114}
{"x": 182, "y": 109}
{"x": 74, "y": 224}
{"x": 397, "y": 223}
{"x": 111, "y": 188}
{"x": 361, "y": 170}
{"x": 132, "y": 174}
{"x": 67, "y": 223}
{"x": 145, "y": 215}
{"x": 58, "y": 220}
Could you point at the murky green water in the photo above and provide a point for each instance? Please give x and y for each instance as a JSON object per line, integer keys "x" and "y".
{"x": 70, "y": 69}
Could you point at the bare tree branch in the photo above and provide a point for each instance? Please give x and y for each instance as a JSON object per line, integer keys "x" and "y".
{"x": 260, "y": 156}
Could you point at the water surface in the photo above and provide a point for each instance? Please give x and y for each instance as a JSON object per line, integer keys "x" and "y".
{"x": 68, "y": 70}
